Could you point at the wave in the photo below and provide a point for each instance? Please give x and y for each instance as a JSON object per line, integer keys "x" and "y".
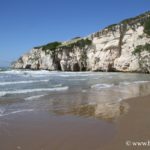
{"x": 77, "y": 79}
{"x": 75, "y": 75}
{"x": 3, "y": 93}
{"x": 33, "y": 97}
{"x": 84, "y": 91}
{"x": 125, "y": 83}
{"x": 42, "y": 73}
{"x": 23, "y": 82}
{"x": 101, "y": 86}
{"x": 57, "y": 85}
{"x": 26, "y": 72}
{"x": 134, "y": 82}
{"x": 138, "y": 82}
{"x": 121, "y": 84}
{"x": 2, "y": 110}
{"x": 15, "y": 112}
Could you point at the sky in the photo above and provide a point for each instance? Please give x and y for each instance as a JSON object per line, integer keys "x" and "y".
{"x": 28, "y": 23}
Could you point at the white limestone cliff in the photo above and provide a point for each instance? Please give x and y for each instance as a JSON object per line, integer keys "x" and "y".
{"x": 112, "y": 49}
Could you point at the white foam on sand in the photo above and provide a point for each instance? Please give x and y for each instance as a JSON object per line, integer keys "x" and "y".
{"x": 3, "y": 93}
{"x": 15, "y": 112}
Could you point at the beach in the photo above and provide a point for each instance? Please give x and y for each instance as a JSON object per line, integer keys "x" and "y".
{"x": 133, "y": 127}
{"x": 42, "y": 110}
{"x": 74, "y": 76}
{"x": 42, "y": 131}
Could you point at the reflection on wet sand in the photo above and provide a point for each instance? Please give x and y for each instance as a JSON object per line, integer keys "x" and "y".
{"x": 106, "y": 111}
{"x": 87, "y": 105}
{"x": 100, "y": 104}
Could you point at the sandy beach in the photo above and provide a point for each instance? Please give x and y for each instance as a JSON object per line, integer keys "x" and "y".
{"x": 74, "y": 75}
{"x": 42, "y": 131}
{"x": 48, "y": 131}
{"x": 42, "y": 110}
{"x": 133, "y": 127}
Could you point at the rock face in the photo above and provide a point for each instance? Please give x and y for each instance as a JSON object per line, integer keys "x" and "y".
{"x": 121, "y": 47}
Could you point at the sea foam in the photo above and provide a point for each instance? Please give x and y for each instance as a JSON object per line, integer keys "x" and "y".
{"x": 15, "y": 112}
{"x": 3, "y": 93}
{"x": 23, "y": 82}
{"x": 101, "y": 86}
{"x": 33, "y": 97}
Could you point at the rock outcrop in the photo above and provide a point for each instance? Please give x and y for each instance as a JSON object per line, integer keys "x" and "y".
{"x": 120, "y": 47}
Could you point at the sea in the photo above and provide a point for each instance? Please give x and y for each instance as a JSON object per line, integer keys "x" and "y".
{"x": 99, "y": 95}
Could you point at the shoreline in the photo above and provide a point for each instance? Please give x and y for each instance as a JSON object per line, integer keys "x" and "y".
{"x": 117, "y": 71}
{"x": 45, "y": 130}
{"x": 133, "y": 126}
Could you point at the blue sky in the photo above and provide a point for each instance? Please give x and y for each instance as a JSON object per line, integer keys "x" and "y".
{"x": 28, "y": 23}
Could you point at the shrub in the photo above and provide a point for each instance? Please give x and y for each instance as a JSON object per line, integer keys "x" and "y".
{"x": 110, "y": 27}
{"x": 49, "y": 46}
{"x": 141, "y": 48}
{"x": 147, "y": 27}
{"x": 80, "y": 43}
{"x": 76, "y": 42}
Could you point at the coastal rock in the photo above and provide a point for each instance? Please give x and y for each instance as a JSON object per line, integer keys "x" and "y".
{"x": 121, "y": 47}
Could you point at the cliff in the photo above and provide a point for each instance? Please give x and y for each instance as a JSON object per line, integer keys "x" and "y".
{"x": 119, "y": 47}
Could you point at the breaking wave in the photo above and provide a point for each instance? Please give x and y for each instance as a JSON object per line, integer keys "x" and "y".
{"x": 101, "y": 86}
{"x": 23, "y": 82}
{"x": 33, "y": 97}
{"x": 3, "y": 93}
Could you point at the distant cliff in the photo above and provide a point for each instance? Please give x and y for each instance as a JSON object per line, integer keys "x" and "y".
{"x": 119, "y": 47}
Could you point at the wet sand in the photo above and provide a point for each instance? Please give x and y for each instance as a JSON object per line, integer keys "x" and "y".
{"x": 42, "y": 131}
{"x": 49, "y": 131}
{"x": 134, "y": 126}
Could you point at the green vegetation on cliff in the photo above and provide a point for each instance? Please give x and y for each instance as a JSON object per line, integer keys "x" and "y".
{"x": 78, "y": 43}
{"x": 147, "y": 27}
{"x": 50, "y": 46}
{"x": 140, "y": 18}
{"x": 141, "y": 48}
{"x": 70, "y": 44}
